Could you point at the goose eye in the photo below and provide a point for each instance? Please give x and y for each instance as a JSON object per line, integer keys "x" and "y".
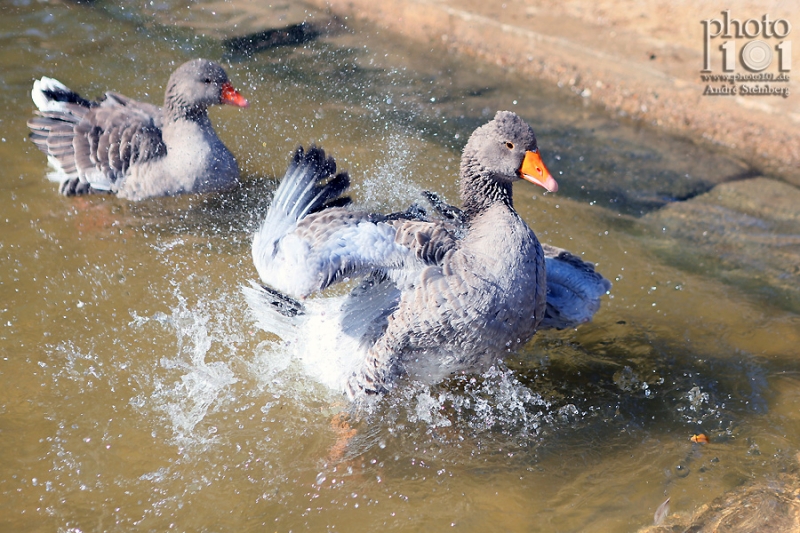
{"x": 510, "y": 145}
{"x": 206, "y": 80}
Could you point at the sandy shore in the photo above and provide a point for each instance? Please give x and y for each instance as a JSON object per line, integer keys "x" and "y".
{"x": 641, "y": 59}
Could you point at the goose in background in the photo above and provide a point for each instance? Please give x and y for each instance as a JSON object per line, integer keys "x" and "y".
{"x": 134, "y": 149}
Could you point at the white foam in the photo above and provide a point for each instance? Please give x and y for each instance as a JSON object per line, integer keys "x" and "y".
{"x": 200, "y": 385}
{"x": 315, "y": 338}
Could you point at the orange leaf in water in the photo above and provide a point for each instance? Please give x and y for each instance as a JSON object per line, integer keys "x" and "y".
{"x": 700, "y": 438}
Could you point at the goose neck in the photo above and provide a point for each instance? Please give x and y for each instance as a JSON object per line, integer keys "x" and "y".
{"x": 177, "y": 107}
{"x": 480, "y": 190}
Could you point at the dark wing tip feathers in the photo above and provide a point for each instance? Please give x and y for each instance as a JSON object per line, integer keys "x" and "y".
{"x": 282, "y": 303}
{"x": 332, "y": 191}
{"x": 58, "y": 95}
{"x": 444, "y": 209}
{"x": 329, "y": 186}
{"x": 342, "y": 201}
{"x": 322, "y": 165}
{"x": 76, "y": 187}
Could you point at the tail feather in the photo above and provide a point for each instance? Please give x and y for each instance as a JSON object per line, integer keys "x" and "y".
{"x": 53, "y": 129}
{"x": 51, "y": 95}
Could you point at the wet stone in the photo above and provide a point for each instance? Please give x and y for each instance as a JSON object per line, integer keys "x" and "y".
{"x": 746, "y": 233}
{"x": 632, "y": 172}
{"x": 765, "y": 505}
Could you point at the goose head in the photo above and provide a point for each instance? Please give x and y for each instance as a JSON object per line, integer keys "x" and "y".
{"x": 199, "y": 83}
{"x": 498, "y": 154}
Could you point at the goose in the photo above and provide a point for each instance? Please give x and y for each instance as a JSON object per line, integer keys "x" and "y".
{"x": 134, "y": 149}
{"x": 433, "y": 296}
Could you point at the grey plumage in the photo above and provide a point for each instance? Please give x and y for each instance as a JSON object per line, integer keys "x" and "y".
{"x": 574, "y": 288}
{"x": 437, "y": 295}
{"x": 134, "y": 149}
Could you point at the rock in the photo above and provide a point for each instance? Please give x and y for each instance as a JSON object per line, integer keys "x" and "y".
{"x": 745, "y": 233}
{"x": 632, "y": 171}
{"x": 766, "y": 505}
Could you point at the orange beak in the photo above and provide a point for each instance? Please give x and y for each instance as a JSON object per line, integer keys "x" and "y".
{"x": 231, "y": 96}
{"x": 533, "y": 170}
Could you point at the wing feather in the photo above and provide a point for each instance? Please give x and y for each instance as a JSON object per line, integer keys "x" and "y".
{"x": 305, "y": 245}
{"x": 93, "y": 142}
{"x": 574, "y": 289}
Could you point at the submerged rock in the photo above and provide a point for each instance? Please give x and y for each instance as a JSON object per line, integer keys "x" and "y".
{"x": 745, "y": 233}
{"x": 646, "y": 173}
{"x": 293, "y": 34}
{"x": 766, "y": 505}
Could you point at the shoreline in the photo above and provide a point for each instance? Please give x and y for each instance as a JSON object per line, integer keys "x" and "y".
{"x": 626, "y": 63}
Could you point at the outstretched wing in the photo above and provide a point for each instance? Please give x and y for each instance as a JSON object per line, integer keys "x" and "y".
{"x": 304, "y": 245}
{"x": 574, "y": 289}
{"x": 329, "y": 246}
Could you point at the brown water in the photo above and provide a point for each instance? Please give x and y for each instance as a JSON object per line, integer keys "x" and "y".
{"x": 136, "y": 392}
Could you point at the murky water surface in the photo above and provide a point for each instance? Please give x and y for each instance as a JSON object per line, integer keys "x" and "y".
{"x": 137, "y": 393}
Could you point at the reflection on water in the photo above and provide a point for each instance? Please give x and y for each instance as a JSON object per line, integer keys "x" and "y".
{"x": 137, "y": 392}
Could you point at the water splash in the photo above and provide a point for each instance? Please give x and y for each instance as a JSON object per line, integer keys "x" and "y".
{"x": 493, "y": 401}
{"x": 697, "y": 406}
{"x": 389, "y": 177}
{"x": 201, "y": 385}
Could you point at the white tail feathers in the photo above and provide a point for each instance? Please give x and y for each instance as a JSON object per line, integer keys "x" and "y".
{"x": 40, "y": 98}
{"x": 57, "y": 175}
